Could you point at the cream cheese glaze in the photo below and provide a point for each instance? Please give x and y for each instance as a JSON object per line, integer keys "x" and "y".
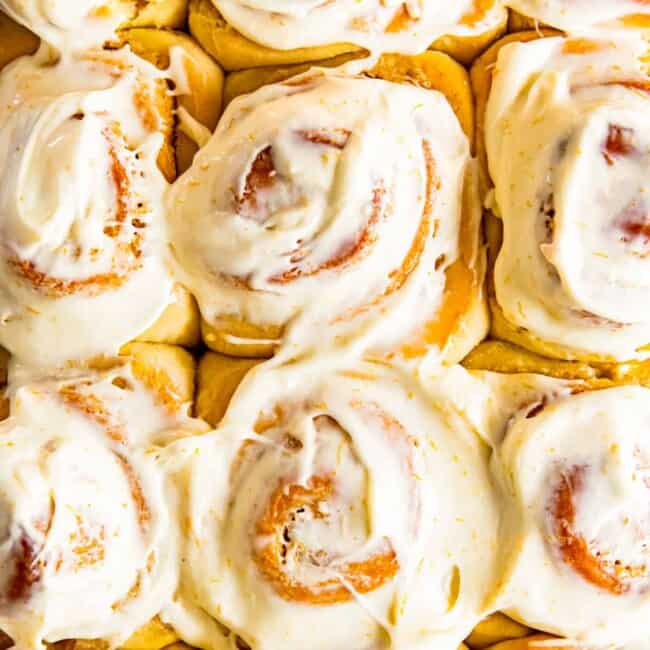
{"x": 334, "y": 510}
{"x": 88, "y": 539}
{"x": 575, "y": 479}
{"x": 378, "y": 25}
{"x": 571, "y": 462}
{"x": 567, "y": 118}
{"x": 81, "y": 222}
{"x": 586, "y": 16}
{"x": 70, "y": 24}
{"x": 324, "y": 202}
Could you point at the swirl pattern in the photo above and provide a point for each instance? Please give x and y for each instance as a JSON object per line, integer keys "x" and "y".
{"x": 395, "y": 26}
{"x": 325, "y": 502}
{"x": 574, "y": 468}
{"x": 97, "y": 121}
{"x": 333, "y": 214}
{"x": 83, "y": 511}
{"x": 565, "y": 115}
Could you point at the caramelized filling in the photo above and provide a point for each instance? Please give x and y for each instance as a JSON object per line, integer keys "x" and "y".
{"x": 606, "y": 574}
{"x": 276, "y": 522}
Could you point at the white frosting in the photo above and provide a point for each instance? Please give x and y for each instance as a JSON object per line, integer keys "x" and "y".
{"x": 70, "y": 24}
{"x": 575, "y": 486}
{"x": 81, "y": 220}
{"x": 87, "y": 545}
{"x": 378, "y": 25}
{"x": 586, "y": 16}
{"x": 311, "y": 472}
{"x": 574, "y": 268}
{"x": 350, "y": 231}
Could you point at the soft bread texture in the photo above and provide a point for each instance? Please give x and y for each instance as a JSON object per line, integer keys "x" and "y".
{"x": 15, "y": 40}
{"x": 533, "y": 641}
{"x": 505, "y": 357}
{"x": 218, "y": 378}
{"x": 236, "y": 52}
{"x": 466, "y": 48}
{"x": 161, "y": 14}
{"x": 462, "y": 318}
{"x": 168, "y": 371}
{"x": 198, "y": 90}
{"x": 496, "y": 628}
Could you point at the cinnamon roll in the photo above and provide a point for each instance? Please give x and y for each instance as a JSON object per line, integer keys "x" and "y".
{"x": 72, "y": 261}
{"x": 79, "y": 24}
{"x": 247, "y": 34}
{"x": 569, "y": 458}
{"x": 570, "y": 279}
{"x": 88, "y": 544}
{"x": 334, "y": 510}
{"x": 577, "y": 522}
{"x": 316, "y": 207}
{"x": 581, "y": 16}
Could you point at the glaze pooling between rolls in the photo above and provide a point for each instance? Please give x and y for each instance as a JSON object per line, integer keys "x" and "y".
{"x": 81, "y": 219}
{"x": 574, "y": 473}
{"x": 87, "y": 546}
{"x": 345, "y": 502}
{"x": 567, "y": 118}
{"x": 394, "y": 26}
{"x": 317, "y": 200}
{"x": 586, "y": 16}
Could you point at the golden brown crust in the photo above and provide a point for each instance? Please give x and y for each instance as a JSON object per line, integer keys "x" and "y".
{"x": 218, "y": 378}
{"x": 222, "y": 336}
{"x": 429, "y": 70}
{"x": 236, "y": 52}
{"x": 519, "y": 23}
{"x": 466, "y": 48}
{"x": 154, "y": 635}
{"x": 168, "y": 14}
{"x": 494, "y": 629}
{"x": 179, "y": 323}
{"x": 504, "y": 357}
{"x": 532, "y": 642}
{"x": 168, "y": 371}
{"x": 204, "y": 77}
{"x": 432, "y": 71}
{"x": 15, "y": 41}
{"x": 241, "y": 82}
